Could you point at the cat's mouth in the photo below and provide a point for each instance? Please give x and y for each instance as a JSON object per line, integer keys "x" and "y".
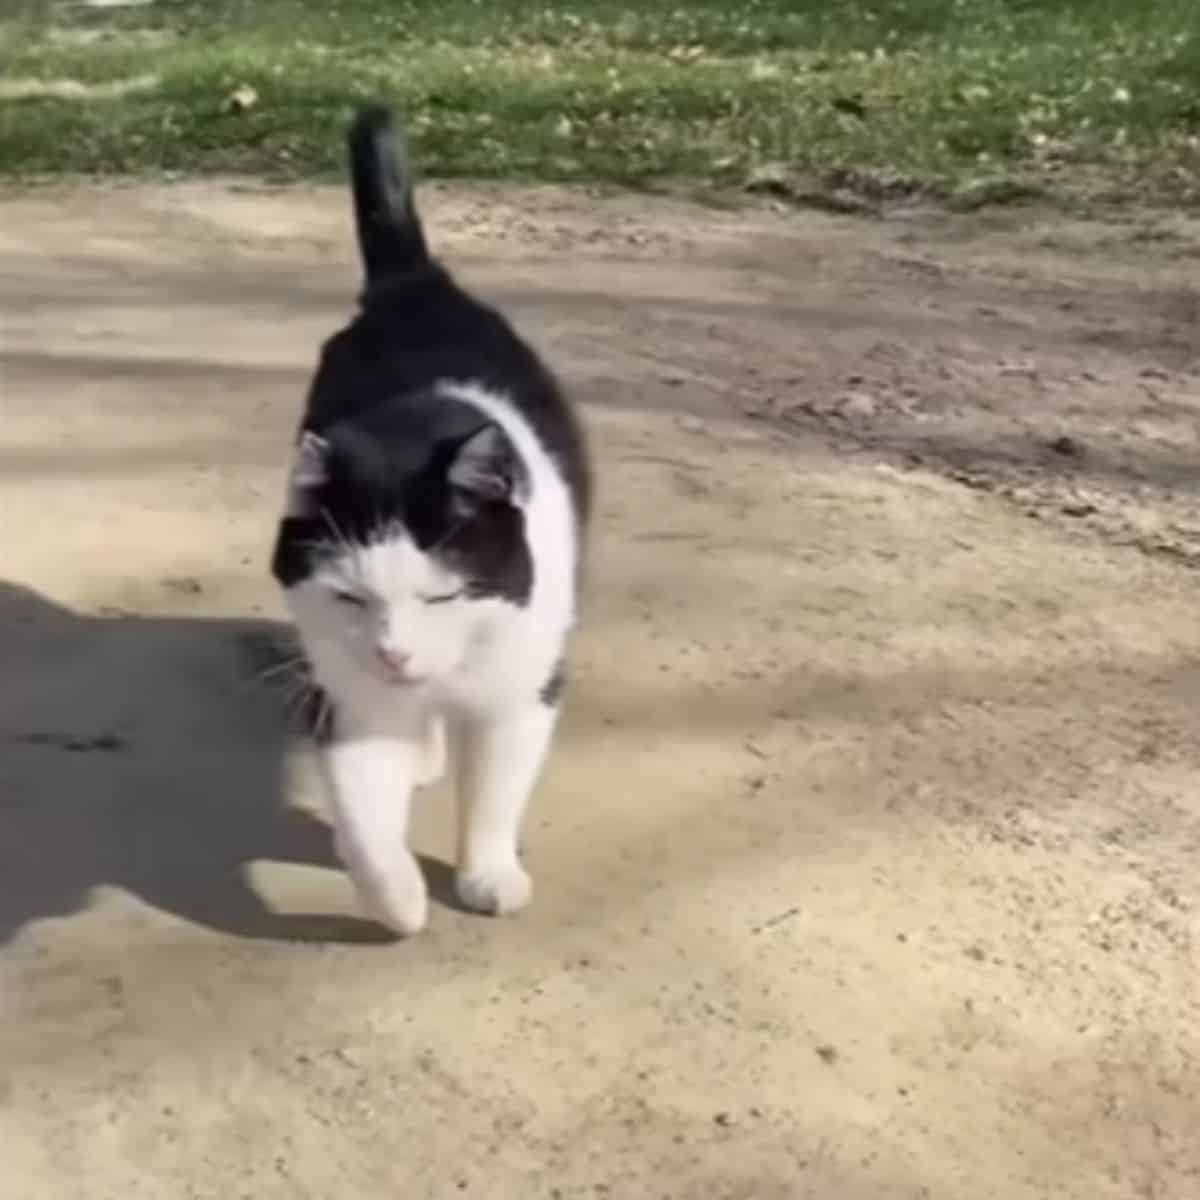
{"x": 401, "y": 677}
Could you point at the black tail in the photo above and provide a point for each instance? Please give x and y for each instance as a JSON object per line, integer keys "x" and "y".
{"x": 389, "y": 231}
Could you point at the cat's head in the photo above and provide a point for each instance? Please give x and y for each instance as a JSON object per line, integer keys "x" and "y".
{"x": 403, "y": 536}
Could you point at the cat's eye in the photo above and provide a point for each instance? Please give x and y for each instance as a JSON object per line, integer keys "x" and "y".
{"x": 445, "y": 599}
{"x": 352, "y": 598}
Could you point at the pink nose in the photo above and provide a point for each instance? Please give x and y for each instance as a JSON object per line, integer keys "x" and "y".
{"x": 394, "y": 660}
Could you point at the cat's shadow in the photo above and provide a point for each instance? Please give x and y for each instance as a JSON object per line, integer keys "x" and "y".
{"x": 148, "y": 754}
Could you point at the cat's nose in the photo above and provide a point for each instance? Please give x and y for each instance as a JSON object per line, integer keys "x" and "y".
{"x": 396, "y": 661}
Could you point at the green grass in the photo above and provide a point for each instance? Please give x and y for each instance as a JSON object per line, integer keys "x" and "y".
{"x": 895, "y": 94}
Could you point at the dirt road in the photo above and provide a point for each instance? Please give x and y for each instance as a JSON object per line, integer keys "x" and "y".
{"x": 867, "y": 865}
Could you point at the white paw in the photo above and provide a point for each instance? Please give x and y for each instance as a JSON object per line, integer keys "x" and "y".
{"x": 495, "y": 890}
{"x": 398, "y": 900}
{"x": 432, "y": 765}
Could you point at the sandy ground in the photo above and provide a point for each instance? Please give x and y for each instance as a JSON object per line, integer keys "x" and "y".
{"x": 867, "y": 864}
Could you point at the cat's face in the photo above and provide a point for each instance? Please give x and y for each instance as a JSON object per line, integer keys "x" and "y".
{"x": 403, "y": 538}
{"x": 389, "y": 610}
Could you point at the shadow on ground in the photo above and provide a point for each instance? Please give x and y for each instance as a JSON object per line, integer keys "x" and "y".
{"x": 140, "y": 753}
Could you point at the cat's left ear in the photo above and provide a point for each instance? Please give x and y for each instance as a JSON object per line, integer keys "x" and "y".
{"x": 309, "y": 472}
{"x": 486, "y": 467}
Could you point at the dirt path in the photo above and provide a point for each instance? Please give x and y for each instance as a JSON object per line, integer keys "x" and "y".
{"x": 867, "y": 865}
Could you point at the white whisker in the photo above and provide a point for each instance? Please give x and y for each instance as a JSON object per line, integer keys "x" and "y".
{"x": 290, "y": 664}
{"x": 450, "y": 533}
{"x": 343, "y": 540}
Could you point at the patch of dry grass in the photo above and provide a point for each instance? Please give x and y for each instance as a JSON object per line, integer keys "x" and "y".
{"x": 962, "y": 96}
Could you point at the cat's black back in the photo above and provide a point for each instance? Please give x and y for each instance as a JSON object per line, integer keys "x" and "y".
{"x": 417, "y": 327}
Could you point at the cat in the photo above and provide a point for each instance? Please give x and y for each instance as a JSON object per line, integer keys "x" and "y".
{"x": 429, "y": 553}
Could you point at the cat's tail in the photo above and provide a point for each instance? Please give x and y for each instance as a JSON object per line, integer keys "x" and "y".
{"x": 389, "y": 230}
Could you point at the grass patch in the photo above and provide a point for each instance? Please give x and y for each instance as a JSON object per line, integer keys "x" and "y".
{"x": 943, "y": 95}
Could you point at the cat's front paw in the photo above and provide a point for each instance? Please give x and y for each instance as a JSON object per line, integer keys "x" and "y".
{"x": 399, "y": 900}
{"x": 495, "y": 890}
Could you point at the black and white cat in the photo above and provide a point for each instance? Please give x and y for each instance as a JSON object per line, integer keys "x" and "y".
{"x": 429, "y": 553}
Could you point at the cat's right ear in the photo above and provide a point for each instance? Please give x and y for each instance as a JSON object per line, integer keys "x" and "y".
{"x": 309, "y": 472}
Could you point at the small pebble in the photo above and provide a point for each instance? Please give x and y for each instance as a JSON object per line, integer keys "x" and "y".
{"x": 1068, "y": 447}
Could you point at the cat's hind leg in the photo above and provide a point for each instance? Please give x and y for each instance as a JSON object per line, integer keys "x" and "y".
{"x": 433, "y": 752}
